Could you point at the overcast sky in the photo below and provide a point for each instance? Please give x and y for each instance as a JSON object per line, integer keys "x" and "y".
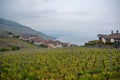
{"x": 77, "y": 17}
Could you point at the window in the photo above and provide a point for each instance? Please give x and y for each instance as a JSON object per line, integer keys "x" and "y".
{"x": 118, "y": 43}
{"x": 115, "y": 44}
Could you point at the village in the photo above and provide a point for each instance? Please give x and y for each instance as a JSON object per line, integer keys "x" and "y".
{"x": 37, "y": 40}
{"x": 49, "y": 43}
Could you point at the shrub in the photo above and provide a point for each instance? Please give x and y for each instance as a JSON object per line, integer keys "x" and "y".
{"x": 43, "y": 45}
{"x": 94, "y": 42}
{"x": 5, "y": 49}
{"x": 109, "y": 43}
{"x": 13, "y": 48}
{"x": 16, "y": 36}
{"x": 10, "y": 33}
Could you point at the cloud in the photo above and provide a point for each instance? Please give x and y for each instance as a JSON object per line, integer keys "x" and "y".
{"x": 63, "y": 15}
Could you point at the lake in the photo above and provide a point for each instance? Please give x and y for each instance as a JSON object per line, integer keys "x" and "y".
{"x": 78, "y": 40}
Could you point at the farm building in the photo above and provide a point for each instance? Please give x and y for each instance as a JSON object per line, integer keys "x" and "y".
{"x": 112, "y": 38}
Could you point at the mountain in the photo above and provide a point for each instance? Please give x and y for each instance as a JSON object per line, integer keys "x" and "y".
{"x": 19, "y": 29}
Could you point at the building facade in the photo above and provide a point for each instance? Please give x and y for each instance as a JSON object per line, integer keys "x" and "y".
{"x": 110, "y": 38}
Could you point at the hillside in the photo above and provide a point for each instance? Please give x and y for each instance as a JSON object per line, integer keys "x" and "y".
{"x": 9, "y": 42}
{"x": 19, "y": 29}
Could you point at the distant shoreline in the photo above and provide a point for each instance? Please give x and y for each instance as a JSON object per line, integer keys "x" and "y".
{"x": 77, "y": 40}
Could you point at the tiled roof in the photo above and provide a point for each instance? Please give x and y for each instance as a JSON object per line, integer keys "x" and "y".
{"x": 114, "y": 36}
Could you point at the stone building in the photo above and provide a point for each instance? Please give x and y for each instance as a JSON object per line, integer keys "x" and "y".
{"x": 113, "y": 38}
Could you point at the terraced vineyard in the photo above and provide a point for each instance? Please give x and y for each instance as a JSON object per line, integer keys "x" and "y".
{"x": 61, "y": 64}
{"x": 10, "y": 41}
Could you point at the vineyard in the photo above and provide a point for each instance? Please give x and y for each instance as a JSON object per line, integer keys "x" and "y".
{"x": 61, "y": 64}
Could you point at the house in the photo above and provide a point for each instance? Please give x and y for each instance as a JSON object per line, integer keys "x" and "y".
{"x": 37, "y": 43}
{"x": 37, "y": 40}
{"x": 24, "y": 38}
{"x": 112, "y": 38}
{"x": 54, "y": 44}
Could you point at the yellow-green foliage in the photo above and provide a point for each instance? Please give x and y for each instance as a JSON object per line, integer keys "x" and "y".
{"x": 59, "y": 64}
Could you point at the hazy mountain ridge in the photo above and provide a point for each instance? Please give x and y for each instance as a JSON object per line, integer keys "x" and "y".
{"x": 19, "y": 29}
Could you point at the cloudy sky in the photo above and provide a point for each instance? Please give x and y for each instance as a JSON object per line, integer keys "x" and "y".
{"x": 64, "y": 17}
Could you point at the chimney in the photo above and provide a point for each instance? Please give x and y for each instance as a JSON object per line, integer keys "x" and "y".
{"x": 111, "y": 32}
{"x": 117, "y": 32}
